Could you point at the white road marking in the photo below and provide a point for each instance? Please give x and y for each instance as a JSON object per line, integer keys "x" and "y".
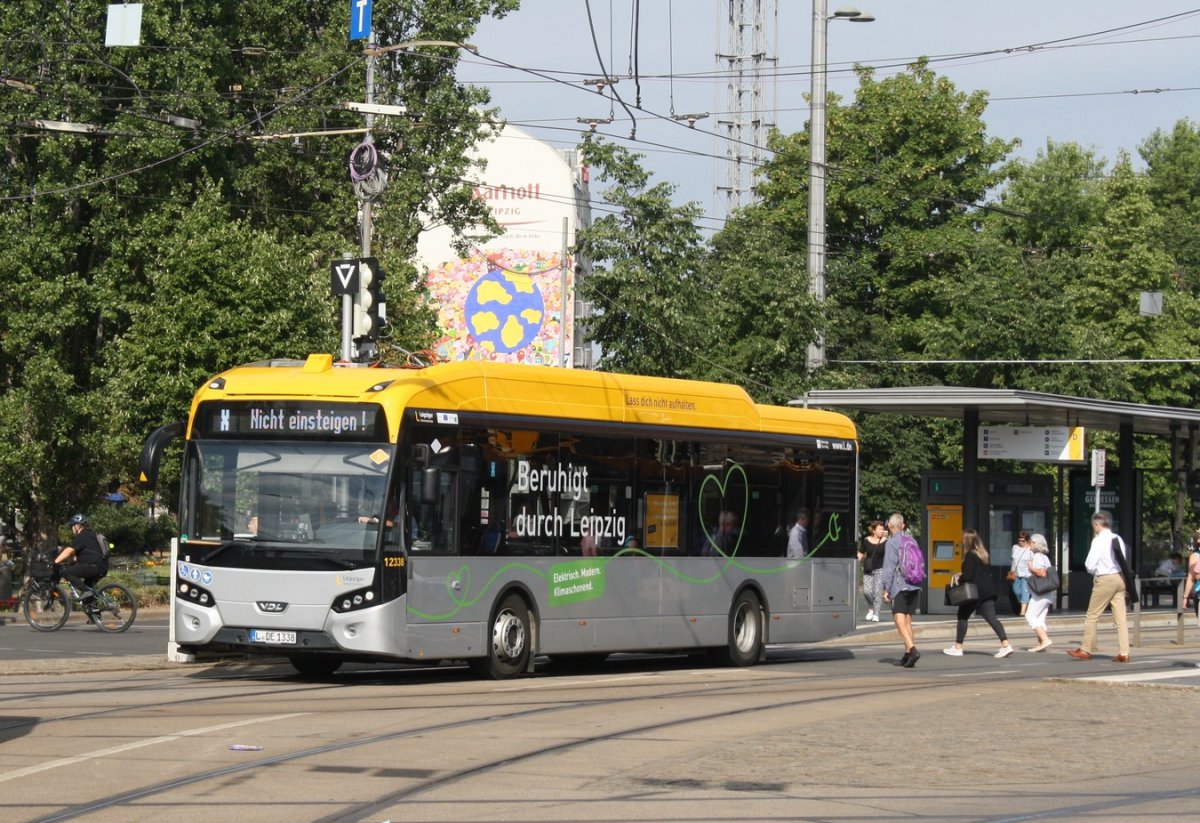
{"x": 1139, "y": 677}
{"x": 990, "y": 673}
{"x": 139, "y": 744}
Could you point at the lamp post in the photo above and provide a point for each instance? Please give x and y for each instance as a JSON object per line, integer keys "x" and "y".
{"x": 816, "y": 162}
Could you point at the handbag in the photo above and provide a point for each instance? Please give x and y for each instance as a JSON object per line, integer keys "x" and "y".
{"x": 1126, "y": 574}
{"x": 959, "y": 593}
{"x": 1012, "y": 575}
{"x": 1044, "y": 585}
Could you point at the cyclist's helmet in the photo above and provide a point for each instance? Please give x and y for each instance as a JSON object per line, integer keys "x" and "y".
{"x": 77, "y": 520}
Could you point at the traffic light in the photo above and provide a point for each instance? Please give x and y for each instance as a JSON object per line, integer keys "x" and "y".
{"x": 370, "y": 310}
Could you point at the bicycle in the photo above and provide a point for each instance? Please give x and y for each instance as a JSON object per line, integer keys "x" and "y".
{"x": 47, "y": 604}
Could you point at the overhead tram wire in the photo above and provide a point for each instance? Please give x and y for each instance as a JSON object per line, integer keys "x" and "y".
{"x": 1057, "y": 43}
{"x": 612, "y": 87}
{"x": 190, "y": 150}
{"x": 899, "y": 62}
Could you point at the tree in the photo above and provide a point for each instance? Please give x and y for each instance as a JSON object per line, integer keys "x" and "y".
{"x": 173, "y": 232}
{"x": 1125, "y": 260}
{"x": 649, "y": 288}
{"x": 903, "y": 161}
{"x": 1173, "y": 185}
{"x": 1051, "y": 203}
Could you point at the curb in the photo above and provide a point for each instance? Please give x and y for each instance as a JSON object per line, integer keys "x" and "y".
{"x": 943, "y": 627}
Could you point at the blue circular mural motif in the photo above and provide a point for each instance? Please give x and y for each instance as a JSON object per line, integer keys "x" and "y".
{"x": 504, "y": 311}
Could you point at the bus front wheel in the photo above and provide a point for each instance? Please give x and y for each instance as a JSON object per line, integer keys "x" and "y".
{"x": 509, "y": 641}
{"x": 746, "y": 639}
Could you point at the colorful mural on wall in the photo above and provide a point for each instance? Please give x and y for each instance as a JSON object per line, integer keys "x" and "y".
{"x": 504, "y": 305}
{"x": 504, "y": 302}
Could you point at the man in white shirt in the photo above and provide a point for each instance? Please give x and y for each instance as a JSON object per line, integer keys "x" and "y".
{"x": 1108, "y": 590}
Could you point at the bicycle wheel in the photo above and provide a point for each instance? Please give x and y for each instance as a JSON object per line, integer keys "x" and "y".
{"x": 116, "y": 607}
{"x": 46, "y": 607}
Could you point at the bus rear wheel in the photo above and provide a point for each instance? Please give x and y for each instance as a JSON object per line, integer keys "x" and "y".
{"x": 508, "y": 641}
{"x": 746, "y": 639}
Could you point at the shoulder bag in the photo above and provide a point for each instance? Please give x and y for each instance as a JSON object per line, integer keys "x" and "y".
{"x": 1044, "y": 585}
{"x": 1126, "y": 574}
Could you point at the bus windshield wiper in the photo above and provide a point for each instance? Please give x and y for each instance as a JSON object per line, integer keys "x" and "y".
{"x": 208, "y": 558}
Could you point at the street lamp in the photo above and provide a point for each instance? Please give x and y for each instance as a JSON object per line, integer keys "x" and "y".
{"x": 816, "y": 162}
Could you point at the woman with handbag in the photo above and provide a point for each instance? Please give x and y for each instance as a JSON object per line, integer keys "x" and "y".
{"x": 1040, "y": 569}
{"x": 976, "y": 569}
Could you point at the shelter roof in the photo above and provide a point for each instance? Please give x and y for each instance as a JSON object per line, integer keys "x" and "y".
{"x": 1007, "y": 406}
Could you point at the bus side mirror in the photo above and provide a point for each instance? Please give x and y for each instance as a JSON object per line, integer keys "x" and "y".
{"x": 420, "y": 454}
{"x": 431, "y": 481}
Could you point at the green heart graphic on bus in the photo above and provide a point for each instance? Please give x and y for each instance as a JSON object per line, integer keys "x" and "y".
{"x": 725, "y": 537}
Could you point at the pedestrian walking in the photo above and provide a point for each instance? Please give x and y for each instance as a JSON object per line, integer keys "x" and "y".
{"x": 977, "y": 569}
{"x": 1108, "y": 589}
{"x": 1039, "y": 604}
{"x": 1191, "y": 584}
{"x": 1018, "y": 572}
{"x": 902, "y": 595}
{"x": 870, "y": 554}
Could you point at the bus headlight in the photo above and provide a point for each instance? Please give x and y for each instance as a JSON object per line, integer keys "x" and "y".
{"x": 195, "y": 594}
{"x": 352, "y": 601}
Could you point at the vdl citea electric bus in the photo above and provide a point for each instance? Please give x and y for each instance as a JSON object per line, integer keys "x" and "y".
{"x": 493, "y": 513}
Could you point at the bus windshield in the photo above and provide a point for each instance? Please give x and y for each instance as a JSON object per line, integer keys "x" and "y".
{"x": 263, "y": 504}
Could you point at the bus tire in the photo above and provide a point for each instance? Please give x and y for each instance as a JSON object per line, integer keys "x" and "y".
{"x": 746, "y": 639}
{"x": 508, "y": 641}
{"x": 315, "y": 665}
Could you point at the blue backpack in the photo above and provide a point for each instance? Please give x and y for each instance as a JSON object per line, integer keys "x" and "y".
{"x": 912, "y": 560}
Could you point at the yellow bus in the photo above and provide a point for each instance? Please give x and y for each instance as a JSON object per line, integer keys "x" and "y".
{"x": 500, "y": 514}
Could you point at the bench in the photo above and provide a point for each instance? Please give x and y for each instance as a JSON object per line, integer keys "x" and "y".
{"x": 1153, "y": 588}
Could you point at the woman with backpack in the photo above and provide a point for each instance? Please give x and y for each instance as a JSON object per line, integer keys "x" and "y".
{"x": 976, "y": 569}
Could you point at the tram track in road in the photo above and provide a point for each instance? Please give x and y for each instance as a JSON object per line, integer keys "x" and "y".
{"x": 158, "y": 684}
{"x": 789, "y": 686}
{"x": 775, "y": 686}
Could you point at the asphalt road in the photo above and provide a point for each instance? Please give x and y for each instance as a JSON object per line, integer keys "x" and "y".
{"x": 831, "y": 732}
{"x": 20, "y": 642}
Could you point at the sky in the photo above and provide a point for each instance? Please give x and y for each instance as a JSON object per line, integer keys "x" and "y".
{"x": 1076, "y": 84}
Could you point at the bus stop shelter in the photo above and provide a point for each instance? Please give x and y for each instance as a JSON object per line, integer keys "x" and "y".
{"x": 1024, "y": 408}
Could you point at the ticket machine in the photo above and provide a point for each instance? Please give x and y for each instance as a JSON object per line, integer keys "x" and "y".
{"x": 943, "y": 530}
{"x": 1008, "y": 504}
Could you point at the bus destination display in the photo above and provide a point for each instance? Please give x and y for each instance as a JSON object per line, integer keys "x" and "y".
{"x": 294, "y": 419}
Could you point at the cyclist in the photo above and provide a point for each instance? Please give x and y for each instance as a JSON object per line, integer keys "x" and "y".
{"x": 89, "y": 562}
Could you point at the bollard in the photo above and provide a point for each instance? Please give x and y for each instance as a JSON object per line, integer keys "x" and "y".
{"x": 1137, "y": 613}
{"x": 1180, "y": 605}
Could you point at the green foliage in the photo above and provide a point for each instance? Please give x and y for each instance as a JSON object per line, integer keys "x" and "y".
{"x": 1050, "y": 268}
{"x": 183, "y": 235}
{"x": 1173, "y": 184}
{"x": 129, "y": 528}
{"x": 647, "y": 285}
